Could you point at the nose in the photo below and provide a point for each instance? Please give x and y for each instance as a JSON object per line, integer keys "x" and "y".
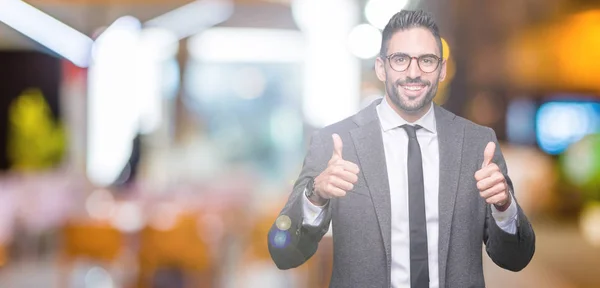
{"x": 413, "y": 70}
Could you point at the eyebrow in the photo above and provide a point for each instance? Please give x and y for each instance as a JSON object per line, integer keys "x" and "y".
{"x": 402, "y": 53}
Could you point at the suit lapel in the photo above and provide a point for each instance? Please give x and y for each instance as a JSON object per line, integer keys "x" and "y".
{"x": 371, "y": 156}
{"x": 450, "y": 139}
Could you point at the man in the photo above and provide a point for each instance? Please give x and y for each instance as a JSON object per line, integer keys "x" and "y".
{"x": 411, "y": 190}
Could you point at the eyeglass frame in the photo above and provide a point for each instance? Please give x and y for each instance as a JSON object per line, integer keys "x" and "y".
{"x": 439, "y": 60}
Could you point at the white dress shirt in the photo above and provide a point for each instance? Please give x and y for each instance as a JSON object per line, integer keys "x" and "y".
{"x": 394, "y": 138}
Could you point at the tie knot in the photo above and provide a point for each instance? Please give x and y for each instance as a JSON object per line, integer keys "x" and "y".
{"x": 411, "y": 131}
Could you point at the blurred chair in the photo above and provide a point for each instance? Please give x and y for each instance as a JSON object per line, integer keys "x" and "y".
{"x": 175, "y": 253}
{"x": 256, "y": 266}
{"x": 96, "y": 241}
{"x": 3, "y": 255}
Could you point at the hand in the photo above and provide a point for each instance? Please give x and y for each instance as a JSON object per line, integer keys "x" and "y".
{"x": 338, "y": 178}
{"x": 491, "y": 182}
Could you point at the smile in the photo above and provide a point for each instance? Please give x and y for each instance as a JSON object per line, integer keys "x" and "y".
{"x": 413, "y": 87}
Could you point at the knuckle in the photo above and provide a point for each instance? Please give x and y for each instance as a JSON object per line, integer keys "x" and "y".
{"x": 348, "y": 168}
{"x": 351, "y": 166}
{"x": 328, "y": 188}
{"x": 335, "y": 193}
{"x": 501, "y": 186}
{"x": 480, "y": 186}
{"x": 499, "y": 176}
{"x": 329, "y": 179}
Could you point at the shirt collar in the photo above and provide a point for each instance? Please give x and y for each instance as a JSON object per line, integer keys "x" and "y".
{"x": 389, "y": 119}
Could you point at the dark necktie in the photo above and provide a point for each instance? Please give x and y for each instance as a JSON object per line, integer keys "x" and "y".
{"x": 419, "y": 269}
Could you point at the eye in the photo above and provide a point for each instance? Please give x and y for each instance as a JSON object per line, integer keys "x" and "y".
{"x": 399, "y": 59}
{"x": 428, "y": 60}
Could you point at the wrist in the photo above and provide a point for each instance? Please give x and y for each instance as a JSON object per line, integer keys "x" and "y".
{"x": 312, "y": 194}
{"x": 504, "y": 206}
{"x": 317, "y": 200}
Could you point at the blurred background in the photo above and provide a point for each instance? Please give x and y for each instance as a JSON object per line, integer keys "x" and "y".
{"x": 152, "y": 143}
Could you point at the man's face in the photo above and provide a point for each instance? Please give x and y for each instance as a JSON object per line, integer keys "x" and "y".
{"x": 412, "y": 89}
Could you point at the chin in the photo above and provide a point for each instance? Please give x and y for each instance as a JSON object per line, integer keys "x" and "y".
{"x": 413, "y": 104}
{"x": 412, "y": 109}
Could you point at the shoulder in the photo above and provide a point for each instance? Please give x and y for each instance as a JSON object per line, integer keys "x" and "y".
{"x": 343, "y": 127}
{"x": 474, "y": 128}
{"x": 471, "y": 129}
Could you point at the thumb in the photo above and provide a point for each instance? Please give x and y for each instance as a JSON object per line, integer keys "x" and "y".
{"x": 488, "y": 154}
{"x": 337, "y": 145}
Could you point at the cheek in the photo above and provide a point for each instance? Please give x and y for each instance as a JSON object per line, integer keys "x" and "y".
{"x": 393, "y": 77}
{"x": 391, "y": 84}
{"x": 433, "y": 79}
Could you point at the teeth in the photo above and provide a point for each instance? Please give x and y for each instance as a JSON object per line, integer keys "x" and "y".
{"x": 413, "y": 88}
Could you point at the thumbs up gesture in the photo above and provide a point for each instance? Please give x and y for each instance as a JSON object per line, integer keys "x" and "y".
{"x": 491, "y": 183}
{"x": 338, "y": 178}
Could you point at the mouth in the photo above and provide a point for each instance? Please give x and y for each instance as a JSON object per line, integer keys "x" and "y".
{"x": 413, "y": 89}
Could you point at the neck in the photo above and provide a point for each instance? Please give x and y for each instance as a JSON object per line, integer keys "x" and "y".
{"x": 409, "y": 116}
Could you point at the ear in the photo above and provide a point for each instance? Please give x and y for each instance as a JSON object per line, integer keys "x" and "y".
{"x": 443, "y": 70}
{"x": 380, "y": 69}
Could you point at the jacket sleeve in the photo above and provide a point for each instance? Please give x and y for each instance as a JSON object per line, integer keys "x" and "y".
{"x": 509, "y": 251}
{"x": 291, "y": 247}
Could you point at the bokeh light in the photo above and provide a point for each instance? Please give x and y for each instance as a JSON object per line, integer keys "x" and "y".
{"x": 590, "y": 223}
{"x": 379, "y": 12}
{"x": 581, "y": 165}
{"x": 364, "y": 41}
{"x": 100, "y": 204}
{"x": 283, "y": 222}
{"x": 279, "y": 239}
{"x": 559, "y": 124}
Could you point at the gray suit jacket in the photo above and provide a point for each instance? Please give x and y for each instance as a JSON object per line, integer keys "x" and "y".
{"x": 361, "y": 220}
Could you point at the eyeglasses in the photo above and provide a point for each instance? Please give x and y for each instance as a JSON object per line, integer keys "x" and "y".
{"x": 427, "y": 63}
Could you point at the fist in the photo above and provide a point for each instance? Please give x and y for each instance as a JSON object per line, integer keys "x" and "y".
{"x": 491, "y": 183}
{"x": 340, "y": 175}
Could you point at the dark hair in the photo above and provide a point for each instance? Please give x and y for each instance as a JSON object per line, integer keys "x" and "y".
{"x": 406, "y": 19}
